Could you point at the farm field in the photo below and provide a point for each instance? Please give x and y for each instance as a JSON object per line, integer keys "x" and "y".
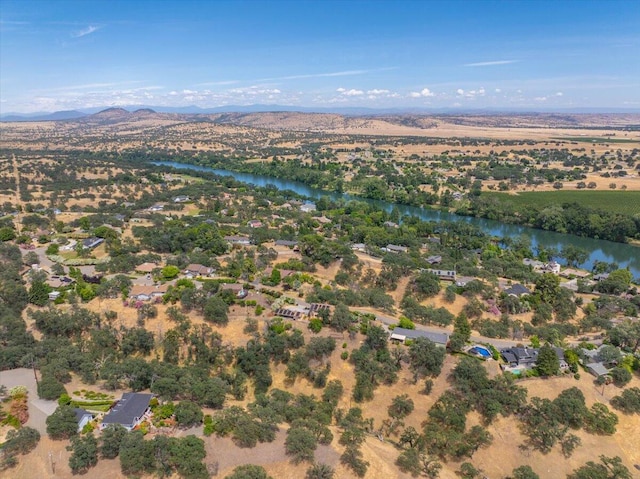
{"x": 624, "y": 202}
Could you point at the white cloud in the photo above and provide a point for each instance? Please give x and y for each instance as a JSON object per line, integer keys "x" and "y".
{"x": 460, "y": 91}
{"x": 85, "y": 31}
{"x": 354, "y": 92}
{"x": 376, "y": 91}
{"x": 424, "y": 93}
{"x": 559, "y": 93}
{"x": 540, "y": 98}
{"x": 341, "y": 90}
{"x": 490, "y": 63}
{"x": 498, "y": 90}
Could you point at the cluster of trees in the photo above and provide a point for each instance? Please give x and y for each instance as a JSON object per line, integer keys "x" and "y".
{"x": 572, "y": 218}
{"x": 546, "y": 422}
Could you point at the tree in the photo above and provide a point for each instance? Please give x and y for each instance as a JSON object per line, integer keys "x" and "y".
{"x": 547, "y": 287}
{"x": 7, "y": 233}
{"x": 524, "y": 472}
{"x": 248, "y": 471}
{"x": 571, "y": 407}
{"x": 169, "y": 272}
{"x": 547, "y": 363}
{"x": 39, "y": 293}
{"x": 461, "y": 332}
{"x": 136, "y": 454}
{"x": 401, "y": 407}
{"x": 574, "y": 255}
{"x": 320, "y": 471}
{"x": 300, "y": 444}
{"x": 425, "y": 358}
{"x": 341, "y": 319}
{"x": 215, "y": 311}
{"x": 620, "y": 376}
{"x": 84, "y": 454}
{"x": 611, "y": 468}
{"x": 599, "y": 420}
{"x": 62, "y": 424}
{"x": 112, "y": 437}
{"x": 426, "y": 284}
{"x": 187, "y": 414}
{"x": 21, "y": 441}
{"x": 50, "y": 388}
{"x": 185, "y": 456}
{"x": 628, "y": 402}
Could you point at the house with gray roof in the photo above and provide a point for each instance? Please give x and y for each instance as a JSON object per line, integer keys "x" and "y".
{"x": 517, "y": 290}
{"x": 403, "y": 334}
{"x": 129, "y": 411}
{"x": 83, "y": 417}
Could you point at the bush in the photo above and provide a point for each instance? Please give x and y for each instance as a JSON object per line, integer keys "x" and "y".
{"x": 188, "y": 413}
{"x": 344, "y": 355}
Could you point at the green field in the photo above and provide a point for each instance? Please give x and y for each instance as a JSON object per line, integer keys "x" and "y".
{"x": 624, "y": 202}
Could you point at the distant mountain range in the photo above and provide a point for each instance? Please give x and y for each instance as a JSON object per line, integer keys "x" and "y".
{"x": 347, "y": 111}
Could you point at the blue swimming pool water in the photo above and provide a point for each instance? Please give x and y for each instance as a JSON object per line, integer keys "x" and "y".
{"x": 484, "y": 352}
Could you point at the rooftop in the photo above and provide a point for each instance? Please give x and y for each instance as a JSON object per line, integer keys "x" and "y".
{"x": 128, "y": 409}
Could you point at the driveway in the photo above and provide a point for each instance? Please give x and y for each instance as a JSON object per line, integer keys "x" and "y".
{"x": 39, "y": 409}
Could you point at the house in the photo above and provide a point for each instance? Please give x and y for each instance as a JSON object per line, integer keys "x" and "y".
{"x": 53, "y": 295}
{"x": 517, "y": 290}
{"x": 56, "y": 281}
{"x": 236, "y": 288}
{"x": 146, "y": 268}
{"x": 141, "y": 292}
{"x": 239, "y": 240}
{"x": 402, "y": 335}
{"x": 562, "y": 361}
{"x": 462, "y": 281}
{"x": 525, "y": 358}
{"x": 446, "y": 275}
{"x": 254, "y": 224}
{"x": 181, "y": 199}
{"x": 156, "y": 207}
{"x": 390, "y": 224}
{"x": 90, "y": 243}
{"x": 437, "y": 259}
{"x": 394, "y": 248}
{"x": 129, "y": 411}
{"x": 308, "y": 207}
{"x": 359, "y": 247}
{"x": 535, "y": 264}
{"x": 194, "y": 270}
{"x": 315, "y": 308}
{"x": 571, "y": 272}
{"x": 288, "y": 313}
{"x": 553, "y": 267}
{"x": 597, "y": 369}
{"x": 288, "y": 243}
{"x": 520, "y": 357}
{"x": 601, "y": 276}
{"x": 83, "y": 418}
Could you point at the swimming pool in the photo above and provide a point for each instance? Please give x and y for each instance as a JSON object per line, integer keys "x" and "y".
{"x": 481, "y": 351}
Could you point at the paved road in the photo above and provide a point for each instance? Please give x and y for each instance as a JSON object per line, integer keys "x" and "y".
{"x": 497, "y": 343}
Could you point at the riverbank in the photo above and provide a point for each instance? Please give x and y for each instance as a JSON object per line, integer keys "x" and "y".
{"x": 624, "y": 255}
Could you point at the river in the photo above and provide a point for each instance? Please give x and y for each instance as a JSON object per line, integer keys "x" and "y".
{"x": 624, "y": 255}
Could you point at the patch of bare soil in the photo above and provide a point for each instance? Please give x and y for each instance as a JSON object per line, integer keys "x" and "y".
{"x": 504, "y": 454}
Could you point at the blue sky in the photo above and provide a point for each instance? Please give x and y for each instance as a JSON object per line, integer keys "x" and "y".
{"x": 60, "y": 55}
